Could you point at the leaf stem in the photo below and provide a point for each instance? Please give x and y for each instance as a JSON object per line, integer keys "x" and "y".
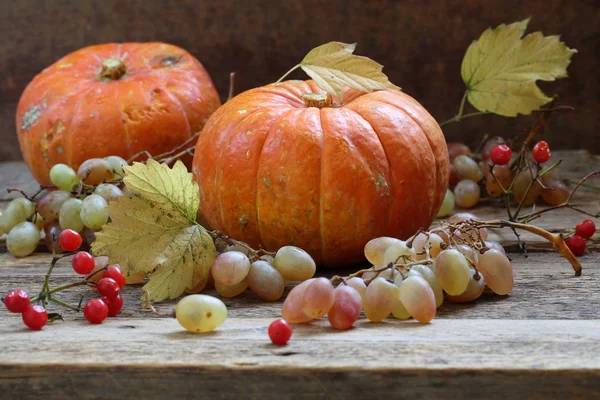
{"x": 458, "y": 118}
{"x": 289, "y": 72}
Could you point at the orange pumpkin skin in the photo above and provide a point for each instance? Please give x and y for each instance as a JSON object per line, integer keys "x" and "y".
{"x": 70, "y": 113}
{"x": 274, "y": 172}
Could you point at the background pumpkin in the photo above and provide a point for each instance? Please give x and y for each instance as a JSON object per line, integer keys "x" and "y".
{"x": 273, "y": 171}
{"x": 112, "y": 99}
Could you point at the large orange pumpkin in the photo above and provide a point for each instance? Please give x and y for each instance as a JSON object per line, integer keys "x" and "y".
{"x": 275, "y": 170}
{"x": 112, "y": 99}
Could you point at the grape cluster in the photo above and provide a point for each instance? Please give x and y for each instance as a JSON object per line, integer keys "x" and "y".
{"x": 266, "y": 274}
{"x": 408, "y": 278}
{"x": 472, "y": 176}
{"x": 78, "y": 201}
{"x": 109, "y": 281}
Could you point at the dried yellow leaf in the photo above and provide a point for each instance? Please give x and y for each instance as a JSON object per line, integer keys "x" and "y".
{"x": 500, "y": 69}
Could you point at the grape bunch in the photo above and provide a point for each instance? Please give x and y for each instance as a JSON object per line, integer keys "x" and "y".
{"x": 495, "y": 171}
{"x": 408, "y": 278}
{"x": 106, "y": 279}
{"x": 266, "y": 274}
{"x": 77, "y": 201}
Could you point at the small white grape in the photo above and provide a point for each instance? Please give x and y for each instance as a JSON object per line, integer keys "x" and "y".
{"x": 23, "y": 239}
{"x": 64, "y": 177}
{"x": 294, "y": 264}
{"x": 94, "y": 211}
{"x": 200, "y": 313}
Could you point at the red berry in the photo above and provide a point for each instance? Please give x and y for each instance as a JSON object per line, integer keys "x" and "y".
{"x": 114, "y": 305}
{"x": 108, "y": 287}
{"x": 16, "y": 301}
{"x": 280, "y": 332}
{"x": 69, "y": 240}
{"x": 83, "y": 263}
{"x": 35, "y": 317}
{"x": 95, "y": 311}
{"x": 114, "y": 272}
{"x": 576, "y": 244}
{"x": 586, "y": 228}
{"x": 541, "y": 152}
{"x": 501, "y": 154}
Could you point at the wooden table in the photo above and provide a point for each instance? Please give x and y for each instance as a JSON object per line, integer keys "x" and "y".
{"x": 541, "y": 341}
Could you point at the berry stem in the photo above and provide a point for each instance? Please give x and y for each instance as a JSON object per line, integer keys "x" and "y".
{"x": 60, "y": 303}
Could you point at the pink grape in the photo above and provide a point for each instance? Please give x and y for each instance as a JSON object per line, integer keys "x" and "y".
{"x": 318, "y": 298}
{"x": 497, "y": 271}
{"x": 417, "y": 297}
{"x": 291, "y": 311}
{"x": 346, "y": 307}
{"x": 474, "y": 289}
{"x": 230, "y": 268}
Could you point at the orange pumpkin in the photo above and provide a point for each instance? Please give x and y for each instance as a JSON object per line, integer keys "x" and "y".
{"x": 274, "y": 170}
{"x": 112, "y": 99}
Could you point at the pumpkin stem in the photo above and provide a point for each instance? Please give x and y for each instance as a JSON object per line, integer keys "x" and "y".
{"x": 317, "y": 100}
{"x": 113, "y": 69}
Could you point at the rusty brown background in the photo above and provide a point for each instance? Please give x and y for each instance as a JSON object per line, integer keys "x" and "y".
{"x": 421, "y": 44}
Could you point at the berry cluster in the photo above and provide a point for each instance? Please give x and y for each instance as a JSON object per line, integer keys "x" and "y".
{"x": 107, "y": 280}
{"x": 584, "y": 230}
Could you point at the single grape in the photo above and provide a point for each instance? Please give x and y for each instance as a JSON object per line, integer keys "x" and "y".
{"x": 576, "y": 244}
{"x": 294, "y": 264}
{"x": 95, "y": 171}
{"x": 200, "y": 313}
{"x": 520, "y": 186}
{"x": 467, "y": 193}
{"x": 447, "y": 204}
{"x": 280, "y": 332}
{"x": 452, "y": 271}
{"x": 116, "y": 164}
{"x": 585, "y": 228}
{"x": 358, "y": 284}
{"x": 17, "y": 211}
{"x": 381, "y": 298}
{"x": 503, "y": 176}
{"x": 265, "y": 281}
{"x": 83, "y": 263}
{"x": 490, "y": 145}
{"x": 555, "y": 192}
{"x": 318, "y": 298}
{"x": 114, "y": 305}
{"x": 291, "y": 310}
{"x": 95, "y": 311}
{"x": 346, "y": 307}
{"x": 22, "y": 240}
{"x": 541, "y": 152}
{"x": 398, "y": 252}
{"x": 471, "y": 254}
{"x": 232, "y": 290}
{"x": 473, "y": 291}
{"x": 376, "y": 248}
{"x": 35, "y": 317}
{"x": 427, "y": 274}
{"x": 49, "y": 205}
{"x": 230, "y": 268}
{"x": 501, "y": 154}
{"x": 268, "y": 258}
{"x": 417, "y": 297}
{"x": 16, "y": 301}
{"x": 497, "y": 271}
{"x": 63, "y": 177}
{"x": 108, "y": 192}
{"x": 457, "y": 149}
{"x": 435, "y": 243}
{"x": 94, "y": 212}
{"x": 454, "y": 178}
{"x": 69, "y": 217}
{"x": 494, "y": 246}
{"x": 467, "y": 168}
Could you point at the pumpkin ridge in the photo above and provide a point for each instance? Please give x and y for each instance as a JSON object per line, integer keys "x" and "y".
{"x": 257, "y": 169}
{"x": 74, "y": 113}
{"x": 126, "y": 140}
{"x": 432, "y": 211}
{"x": 321, "y": 230}
{"x": 172, "y": 96}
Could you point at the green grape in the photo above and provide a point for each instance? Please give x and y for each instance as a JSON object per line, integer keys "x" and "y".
{"x": 265, "y": 281}
{"x": 69, "y": 216}
{"x": 23, "y": 239}
{"x": 397, "y": 252}
{"x": 375, "y": 249}
{"x": 427, "y": 274}
{"x": 467, "y": 193}
{"x": 452, "y": 271}
{"x": 473, "y": 291}
{"x": 447, "y": 204}
{"x": 294, "y": 264}
{"x": 63, "y": 177}
{"x": 94, "y": 171}
{"x": 358, "y": 284}
{"x": 467, "y": 168}
{"x": 108, "y": 192}
{"x": 17, "y": 211}
{"x": 400, "y": 312}
{"x": 381, "y": 298}
{"x": 94, "y": 212}
{"x": 49, "y": 205}
{"x": 116, "y": 165}
{"x": 200, "y": 313}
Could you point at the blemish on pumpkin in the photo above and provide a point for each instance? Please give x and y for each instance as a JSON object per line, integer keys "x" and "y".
{"x": 248, "y": 155}
{"x": 30, "y": 117}
{"x": 243, "y": 220}
{"x": 168, "y": 61}
{"x": 65, "y": 65}
{"x": 381, "y": 186}
{"x": 59, "y": 149}
{"x": 267, "y": 182}
{"x": 249, "y": 132}
{"x": 59, "y": 126}
{"x": 242, "y": 111}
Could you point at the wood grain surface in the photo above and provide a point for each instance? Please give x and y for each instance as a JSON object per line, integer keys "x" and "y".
{"x": 420, "y": 43}
{"x": 541, "y": 341}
